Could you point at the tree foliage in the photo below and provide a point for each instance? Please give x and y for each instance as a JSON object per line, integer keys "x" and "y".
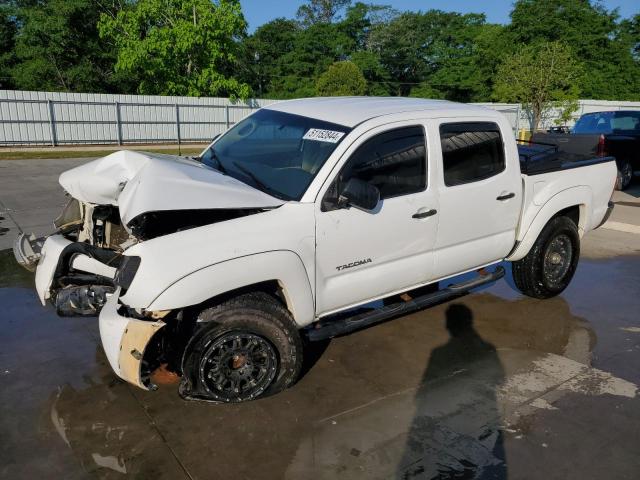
{"x": 596, "y": 37}
{"x": 200, "y": 47}
{"x": 178, "y": 47}
{"x": 57, "y": 47}
{"x": 320, "y": 11}
{"x": 341, "y": 78}
{"x": 8, "y": 31}
{"x": 540, "y": 77}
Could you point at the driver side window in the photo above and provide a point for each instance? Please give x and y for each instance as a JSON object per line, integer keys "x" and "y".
{"x": 394, "y": 161}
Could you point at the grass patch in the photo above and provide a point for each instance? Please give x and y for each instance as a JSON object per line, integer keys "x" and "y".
{"x": 47, "y": 154}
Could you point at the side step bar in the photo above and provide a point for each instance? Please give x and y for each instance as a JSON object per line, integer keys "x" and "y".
{"x": 329, "y": 329}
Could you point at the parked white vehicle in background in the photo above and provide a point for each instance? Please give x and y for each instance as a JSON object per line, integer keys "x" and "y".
{"x": 224, "y": 266}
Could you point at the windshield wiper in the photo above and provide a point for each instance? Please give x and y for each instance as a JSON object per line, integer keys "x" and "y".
{"x": 259, "y": 183}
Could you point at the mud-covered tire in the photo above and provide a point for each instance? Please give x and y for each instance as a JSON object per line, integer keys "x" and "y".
{"x": 551, "y": 263}
{"x": 244, "y": 348}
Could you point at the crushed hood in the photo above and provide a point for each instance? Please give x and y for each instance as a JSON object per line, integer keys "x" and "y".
{"x": 139, "y": 182}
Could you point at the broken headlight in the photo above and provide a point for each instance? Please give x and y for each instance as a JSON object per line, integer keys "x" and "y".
{"x": 126, "y": 271}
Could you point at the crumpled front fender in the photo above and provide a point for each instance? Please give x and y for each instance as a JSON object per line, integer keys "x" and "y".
{"x": 125, "y": 340}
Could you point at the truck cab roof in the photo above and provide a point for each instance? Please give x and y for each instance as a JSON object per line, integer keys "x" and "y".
{"x": 351, "y": 111}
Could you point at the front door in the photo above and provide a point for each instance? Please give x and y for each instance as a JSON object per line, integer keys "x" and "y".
{"x": 363, "y": 255}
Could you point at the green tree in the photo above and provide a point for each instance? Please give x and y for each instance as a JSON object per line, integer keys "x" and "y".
{"x": 321, "y": 11}
{"x": 315, "y": 48}
{"x": 541, "y": 77}
{"x": 179, "y": 47}
{"x": 434, "y": 47}
{"x": 424, "y": 90}
{"x": 595, "y": 36}
{"x": 341, "y": 78}
{"x": 8, "y": 32}
{"x": 57, "y": 47}
{"x": 262, "y": 53}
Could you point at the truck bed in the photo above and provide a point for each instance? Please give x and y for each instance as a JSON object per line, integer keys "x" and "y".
{"x": 538, "y": 157}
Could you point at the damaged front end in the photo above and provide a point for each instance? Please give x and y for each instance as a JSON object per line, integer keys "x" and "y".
{"x": 76, "y": 266}
{"x": 115, "y": 203}
{"x": 82, "y": 270}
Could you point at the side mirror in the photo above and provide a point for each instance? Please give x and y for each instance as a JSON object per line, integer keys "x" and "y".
{"x": 360, "y": 194}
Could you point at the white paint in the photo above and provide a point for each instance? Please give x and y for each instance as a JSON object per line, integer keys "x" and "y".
{"x": 112, "y": 327}
{"x": 631, "y": 329}
{"x": 112, "y": 463}
{"x": 543, "y": 404}
{"x": 87, "y": 264}
{"x": 622, "y": 227}
{"x": 553, "y": 372}
{"x": 58, "y": 421}
{"x": 51, "y": 250}
{"x": 139, "y": 182}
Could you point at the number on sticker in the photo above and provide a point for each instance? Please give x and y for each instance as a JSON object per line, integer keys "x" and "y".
{"x": 320, "y": 135}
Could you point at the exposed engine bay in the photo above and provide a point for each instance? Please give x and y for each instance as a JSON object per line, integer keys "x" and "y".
{"x": 89, "y": 268}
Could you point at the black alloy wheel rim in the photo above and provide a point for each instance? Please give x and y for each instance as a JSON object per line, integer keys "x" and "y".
{"x": 557, "y": 259}
{"x": 238, "y": 366}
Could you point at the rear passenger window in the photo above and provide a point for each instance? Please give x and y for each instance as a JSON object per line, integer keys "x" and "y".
{"x": 471, "y": 152}
{"x": 394, "y": 161}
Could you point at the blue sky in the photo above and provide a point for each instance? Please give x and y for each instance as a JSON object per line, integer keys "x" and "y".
{"x": 258, "y": 12}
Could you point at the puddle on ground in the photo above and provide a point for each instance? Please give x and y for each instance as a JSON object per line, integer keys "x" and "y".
{"x": 436, "y": 394}
{"x": 12, "y": 274}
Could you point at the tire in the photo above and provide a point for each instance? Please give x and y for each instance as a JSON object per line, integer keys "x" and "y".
{"x": 625, "y": 175}
{"x": 551, "y": 263}
{"x": 245, "y": 348}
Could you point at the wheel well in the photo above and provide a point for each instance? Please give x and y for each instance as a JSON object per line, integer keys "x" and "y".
{"x": 573, "y": 213}
{"x": 169, "y": 346}
{"x": 272, "y": 287}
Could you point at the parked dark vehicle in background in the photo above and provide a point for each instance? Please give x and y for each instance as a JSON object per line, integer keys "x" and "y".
{"x": 615, "y": 133}
{"x": 559, "y": 129}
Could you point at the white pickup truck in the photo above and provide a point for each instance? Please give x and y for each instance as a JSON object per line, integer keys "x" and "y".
{"x": 223, "y": 267}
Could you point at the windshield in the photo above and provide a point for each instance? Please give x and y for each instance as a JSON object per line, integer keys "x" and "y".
{"x": 608, "y": 122}
{"x": 278, "y": 153}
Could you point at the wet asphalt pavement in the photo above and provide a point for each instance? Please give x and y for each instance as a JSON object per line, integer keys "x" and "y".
{"x": 493, "y": 385}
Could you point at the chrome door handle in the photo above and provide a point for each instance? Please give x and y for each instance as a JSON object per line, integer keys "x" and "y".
{"x": 428, "y": 213}
{"x": 506, "y": 196}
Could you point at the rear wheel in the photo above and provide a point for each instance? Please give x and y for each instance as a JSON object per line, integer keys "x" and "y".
{"x": 625, "y": 174}
{"x": 245, "y": 348}
{"x": 550, "y": 264}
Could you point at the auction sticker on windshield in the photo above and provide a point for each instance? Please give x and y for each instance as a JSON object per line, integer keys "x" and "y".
{"x": 320, "y": 135}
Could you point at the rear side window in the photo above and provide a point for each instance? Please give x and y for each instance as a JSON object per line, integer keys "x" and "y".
{"x": 394, "y": 161}
{"x": 471, "y": 152}
{"x": 626, "y": 122}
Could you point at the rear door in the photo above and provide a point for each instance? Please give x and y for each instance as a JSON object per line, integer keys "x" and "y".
{"x": 480, "y": 194}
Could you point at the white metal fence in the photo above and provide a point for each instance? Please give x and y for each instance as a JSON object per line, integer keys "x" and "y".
{"x": 57, "y": 118}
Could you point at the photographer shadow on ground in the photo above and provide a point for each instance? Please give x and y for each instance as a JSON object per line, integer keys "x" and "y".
{"x": 456, "y": 430}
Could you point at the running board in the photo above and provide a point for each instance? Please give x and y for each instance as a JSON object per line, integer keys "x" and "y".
{"x": 323, "y": 330}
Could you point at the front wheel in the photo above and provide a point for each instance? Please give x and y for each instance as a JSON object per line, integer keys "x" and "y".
{"x": 245, "y": 348}
{"x": 550, "y": 264}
